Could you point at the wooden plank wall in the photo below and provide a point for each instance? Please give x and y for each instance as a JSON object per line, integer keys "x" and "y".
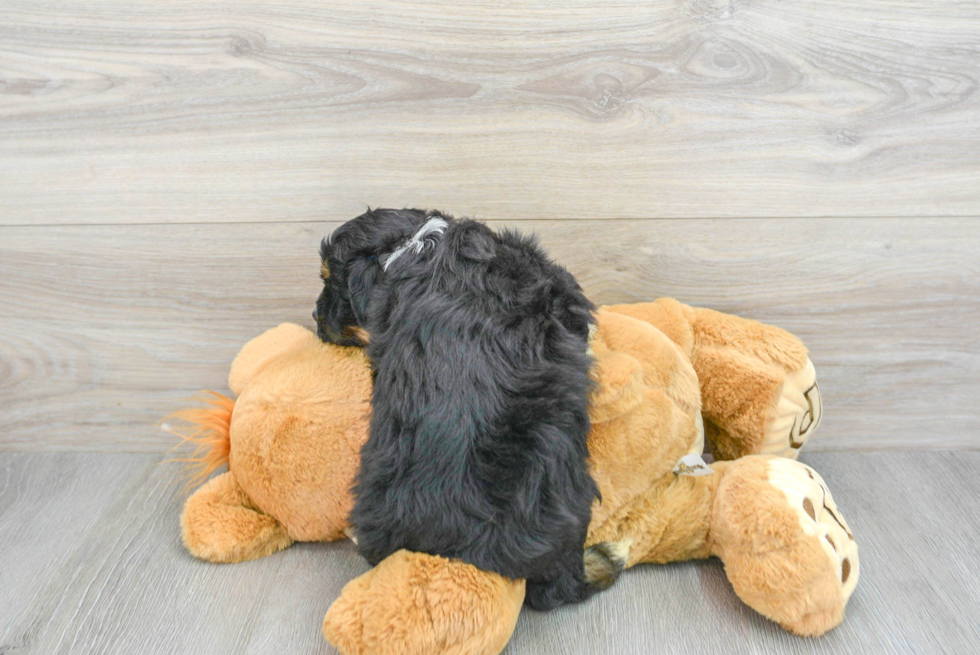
{"x": 168, "y": 168}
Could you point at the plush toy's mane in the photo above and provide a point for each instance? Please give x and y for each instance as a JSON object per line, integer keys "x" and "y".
{"x": 208, "y": 430}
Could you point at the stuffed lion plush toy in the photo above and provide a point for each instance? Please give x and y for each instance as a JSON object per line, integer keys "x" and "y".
{"x": 670, "y": 380}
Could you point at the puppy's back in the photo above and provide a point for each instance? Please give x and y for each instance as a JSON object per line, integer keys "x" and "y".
{"x": 478, "y": 445}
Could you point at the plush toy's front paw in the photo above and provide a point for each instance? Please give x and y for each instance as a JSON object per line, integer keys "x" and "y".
{"x": 795, "y": 415}
{"x": 819, "y": 517}
{"x": 414, "y": 604}
{"x": 787, "y": 550}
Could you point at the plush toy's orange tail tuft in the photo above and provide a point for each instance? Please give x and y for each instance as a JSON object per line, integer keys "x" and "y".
{"x": 208, "y": 430}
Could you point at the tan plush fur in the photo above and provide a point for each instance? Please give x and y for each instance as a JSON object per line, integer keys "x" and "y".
{"x": 413, "y": 603}
{"x": 302, "y": 414}
{"x": 297, "y": 430}
{"x": 670, "y": 522}
{"x": 771, "y": 562}
{"x": 742, "y": 365}
{"x": 221, "y": 524}
{"x": 258, "y": 352}
{"x": 643, "y": 413}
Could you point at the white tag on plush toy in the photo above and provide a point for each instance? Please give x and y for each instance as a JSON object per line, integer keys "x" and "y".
{"x": 692, "y": 465}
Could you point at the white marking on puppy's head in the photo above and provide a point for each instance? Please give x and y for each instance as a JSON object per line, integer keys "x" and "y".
{"x": 417, "y": 242}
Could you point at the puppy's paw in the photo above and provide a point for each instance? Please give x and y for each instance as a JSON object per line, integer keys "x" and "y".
{"x": 795, "y": 415}
{"x": 604, "y": 562}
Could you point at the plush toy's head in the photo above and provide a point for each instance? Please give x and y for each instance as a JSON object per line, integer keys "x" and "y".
{"x": 645, "y": 411}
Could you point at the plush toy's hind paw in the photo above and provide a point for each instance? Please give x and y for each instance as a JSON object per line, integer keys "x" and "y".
{"x": 219, "y": 525}
{"x": 758, "y": 387}
{"x": 412, "y": 603}
{"x": 787, "y": 550}
{"x": 795, "y": 416}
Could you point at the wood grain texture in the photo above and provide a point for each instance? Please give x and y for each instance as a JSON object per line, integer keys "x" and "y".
{"x": 120, "y": 582}
{"x": 48, "y": 504}
{"x": 161, "y": 111}
{"x": 105, "y": 329}
{"x": 128, "y": 586}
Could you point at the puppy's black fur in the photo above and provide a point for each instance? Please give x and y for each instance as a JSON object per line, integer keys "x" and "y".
{"x": 477, "y": 448}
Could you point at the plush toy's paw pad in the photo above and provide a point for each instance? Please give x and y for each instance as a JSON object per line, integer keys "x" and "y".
{"x": 819, "y": 517}
{"x": 796, "y": 415}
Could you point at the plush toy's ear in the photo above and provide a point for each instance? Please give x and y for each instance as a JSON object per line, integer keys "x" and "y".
{"x": 619, "y": 385}
{"x": 261, "y": 350}
{"x": 618, "y": 377}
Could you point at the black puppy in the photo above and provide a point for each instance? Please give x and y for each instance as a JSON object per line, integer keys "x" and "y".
{"x": 477, "y": 449}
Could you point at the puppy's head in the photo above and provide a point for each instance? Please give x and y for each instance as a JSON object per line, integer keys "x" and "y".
{"x": 352, "y": 262}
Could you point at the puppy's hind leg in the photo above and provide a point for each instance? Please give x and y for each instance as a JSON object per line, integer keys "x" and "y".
{"x": 579, "y": 577}
{"x": 603, "y": 564}
{"x": 544, "y": 595}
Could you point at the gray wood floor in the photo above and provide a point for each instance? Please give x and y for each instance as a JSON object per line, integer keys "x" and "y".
{"x": 92, "y": 563}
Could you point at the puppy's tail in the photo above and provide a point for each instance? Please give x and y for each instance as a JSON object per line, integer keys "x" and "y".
{"x": 208, "y": 429}
{"x": 603, "y": 564}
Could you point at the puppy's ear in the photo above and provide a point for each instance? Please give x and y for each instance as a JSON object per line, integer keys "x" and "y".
{"x": 576, "y": 317}
{"x": 325, "y": 259}
{"x": 362, "y": 276}
{"x": 570, "y": 306}
{"x": 475, "y": 242}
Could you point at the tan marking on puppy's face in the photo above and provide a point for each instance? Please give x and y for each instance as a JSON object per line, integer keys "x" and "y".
{"x": 324, "y": 271}
{"x": 362, "y": 335}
